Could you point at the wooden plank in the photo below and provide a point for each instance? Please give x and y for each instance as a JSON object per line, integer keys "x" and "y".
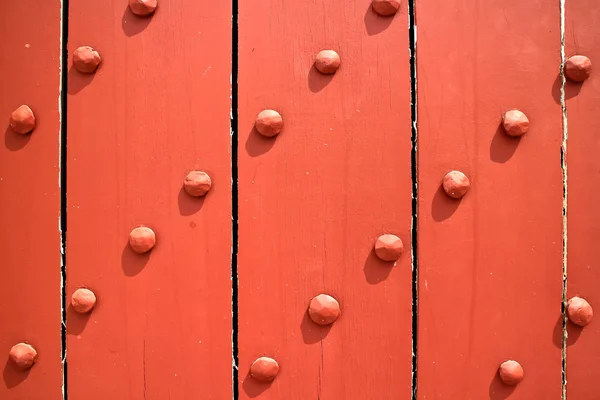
{"x": 30, "y": 277}
{"x": 583, "y": 216}
{"x": 313, "y": 200}
{"x": 157, "y": 108}
{"x": 490, "y": 265}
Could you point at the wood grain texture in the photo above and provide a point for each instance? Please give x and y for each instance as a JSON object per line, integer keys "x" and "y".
{"x": 490, "y": 265}
{"x": 313, "y": 200}
{"x": 30, "y": 275}
{"x": 583, "y": 100}
{"x": 157, "y": 108}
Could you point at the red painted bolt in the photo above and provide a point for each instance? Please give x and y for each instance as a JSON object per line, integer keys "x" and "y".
{"x": 389, "y": 247}
{"x": 327, "y": 62}
{"x": 22, "y": 120}
{"x": 269, "y": 123}
{"x": 578, "y": 68}
{"x": 456, "y": 184}
{"x": 264, "y": 369}
{"x": 83, "y": 300}
{"x": 515, "y": 123}
{"x": 511, "y": 372}
{"x": 385, "y": 8}
{"x": 86, "y": 59}
{"x": 143, "y": 7}
{"x": 324, "y": 309}
{"x": 22, "y": 356}
{"x": 197, "y": 183}
{"x": 579, "y": 311}
{"x": 142, "y": 239}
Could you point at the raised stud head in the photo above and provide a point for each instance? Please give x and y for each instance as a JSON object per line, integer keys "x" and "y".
{"x": 264, "y": 369}
{"x": 389, "y": 247}
{"x": 327, "y": 62}
{"x": 22, "y": 120}
{"x": 22, "y": 356}
{"x": 385, "y": 8}
{"x": 515, "y": 123}
{"x": 578, "y": 68}
{"x": 142, "y": 239}
{"x": 456, "y": 184}
{"x": 143, "y": 7}
{"x": 86, "y": 59}
{"x": 324, "y": 309}
{"x": 511, "y": 372}
{"x": 83, "y": 300}
{"x": 197, "y": 183}
{"x": 269, "y": 123}
{"x": 579, "y": 311}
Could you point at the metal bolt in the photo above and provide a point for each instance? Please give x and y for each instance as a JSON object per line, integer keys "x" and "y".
{"x": 142, "y": 239}
{"x": 389, "y": 247}
{"x": 269, "y": 123}
{"x": 511, "y": 372}
{"x": 456, "y": 184}
{"x": 143, "y": 7}
{"x": 264, "y": 369}
{"x": 83, "y": 300}
{"x": 22, "y": 120}
{"x": 22, "y": 356}
{"x": 86, "y": 59}
{"x": 515, "y": 123}
{"x": 578, "y": 68}
{"x": 324, "y": 309}
{"x": 197, "y": 183}
{"x": 327, "y": 62}
{"x": 579, "y": 311}
{"x": 385, "y": 8}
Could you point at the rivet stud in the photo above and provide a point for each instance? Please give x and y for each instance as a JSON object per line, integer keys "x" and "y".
{"x": 22, "y": 120}
{"x": 143, "y": 8}
{"x": 511, "y": 372}
{"x": 324, "y": 309}
{"x": 23, "y": 356}
{"x": 579, "y": 311}
{"x": 578, "y": 68}
{"x": 389, "y": 247}
{"x": 83, "y": 300}
{"x": 456, "y": 184}
{"x": 269, "y": 123}
{"x": 86, "y": 59}
{"x": 142, "y": 239}
{"x": 327, "y": 62}
{"x": 385, "y": 8}
{"x": 264, "y": 369}
{"x": 197, "y": 183}
{"x": 515, "y": 123}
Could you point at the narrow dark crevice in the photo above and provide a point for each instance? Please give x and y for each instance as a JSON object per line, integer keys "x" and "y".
{"x": 412, "y": 40}
{"x": 234, "y": 196}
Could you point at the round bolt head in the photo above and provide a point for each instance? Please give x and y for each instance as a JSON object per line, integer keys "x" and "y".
{"x": 86, "y": 59}
{"x": 22, "y": 120}
{"x": 385, "y": 8}
{"x": 515, "y": 123}
{"x": 389, "y": 247}
{"x": 511, "y": 372}
{"x": 143, "y": 7}
{"x": 269, "y": 123}
{"x": 456, "y": 184}
{"x": 578, "y": 68}
{"x": 324, "y": 309}
{"x": 197, "y": 183}
{"x": 579, "y": 311}
{"x": 22, "y": 356}
{"x": 264, "y": 369}
{"x": 327, "y": 62}
{"x": 142, "y": 239}
{"x": 83, "y": 300}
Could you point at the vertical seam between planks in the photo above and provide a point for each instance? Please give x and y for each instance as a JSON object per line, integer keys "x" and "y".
{"x": 563, "y": 165}
{"x": 412, "y": 38}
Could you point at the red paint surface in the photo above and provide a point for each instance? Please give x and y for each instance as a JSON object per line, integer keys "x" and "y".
{"x": 490, "y": 265}
{"x": 313, "y": 200}
{"x": 582, "y": 36}
{"x": 29, "y": 199}
{"x": 156, "y": 109}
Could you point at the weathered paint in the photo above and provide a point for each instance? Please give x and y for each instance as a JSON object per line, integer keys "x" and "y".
{"x": 582, "y": 37}
{"x": 490, "y": 264}
{"x": 314, "y": 199}
{"x": 30, "y": 274}
{"x": 156, "y": 109}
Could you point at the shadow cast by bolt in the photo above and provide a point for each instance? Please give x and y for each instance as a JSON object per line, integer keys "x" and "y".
{"x": 374, "y": 23}
{"x": 189, "y": 205}
{"x": 572, "y": 89}
{"x": 313, "y": 333}
{"x": 375, "y": 269}
{"x": 254, "y": 388}
{"x": 13, "y": 377}
{"x": 317, "y": 81}
{"x": 132, "y": 262}
{"x": 499, "y": 390}
{"x": 503, "y": 147}
{"x": 76, "y": 322}
{"x": 77, "y": 81}
{"x": 133, "y": 24}
{"x": 256, "y": 144}
{"x": 14, "y": 141}
{"x": 573, "y": 332}
{"x": 443, "y": 206}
